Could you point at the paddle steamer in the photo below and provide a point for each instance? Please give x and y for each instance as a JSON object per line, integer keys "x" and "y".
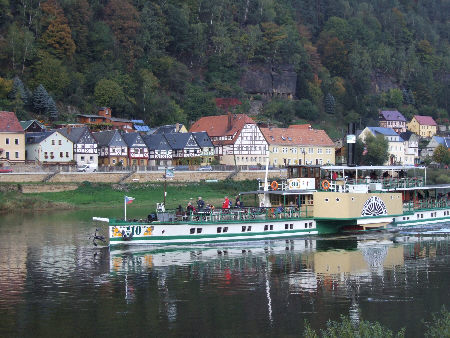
{"x": 311, "y": 200}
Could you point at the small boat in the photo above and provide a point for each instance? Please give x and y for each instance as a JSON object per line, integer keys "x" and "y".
{"x": 312, "y": 200}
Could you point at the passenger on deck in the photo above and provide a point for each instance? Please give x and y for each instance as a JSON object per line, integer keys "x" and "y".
{"x": 190, "y": 208}
{"x": 200, "y": 204}
{"x": 226, "y": 203}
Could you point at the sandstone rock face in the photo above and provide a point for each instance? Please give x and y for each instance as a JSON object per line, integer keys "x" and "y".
{"x": 267, "y": 80}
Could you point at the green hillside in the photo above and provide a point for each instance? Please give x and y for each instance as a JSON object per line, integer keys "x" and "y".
{"x": 166, "y": 61}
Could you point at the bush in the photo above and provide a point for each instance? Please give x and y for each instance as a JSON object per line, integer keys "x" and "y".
{"x": 440, "y": 326}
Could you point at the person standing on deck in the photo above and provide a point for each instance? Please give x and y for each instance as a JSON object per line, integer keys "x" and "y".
{"x": 200, "y": 203}
{"x": 226, "y": 203}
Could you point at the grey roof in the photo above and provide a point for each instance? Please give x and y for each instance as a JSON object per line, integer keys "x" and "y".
{"x": 168, "y": 129}
{"x": 37, "y": 137}
{"x": 73, "y": 134}
{"x": 392, "y": 115}
{"x": 157, "y": 142}
{"x": 406, "y": 135}
{"x": 178, "y": 140}
{"x": 26, "y": 124}
{"x": 107, "y": 138}
{"x": 133, "y": 140}
{"x": 203, "y": 139}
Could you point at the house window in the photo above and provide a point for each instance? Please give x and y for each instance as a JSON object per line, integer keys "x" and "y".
{"x": 17, "y": 154}
{"x": 82, "y": 158}
{"x": 67, "y": 154}
{"x": 320, "y": 151}
{"x": 91, "y": 158}
{"x": 59, "y": 142}
{"x": 7, "y": 154}
{"x": 310, "y": 150}
{"x": 51, "y": 155}
{"x": 46, "y": 155}
{"x": 53, "y": 142}
{"x": 16, "y": 141}
{"x": 284, "y": 150}
{"x": 61, "y": 154}
{"x": 7, "y": 141}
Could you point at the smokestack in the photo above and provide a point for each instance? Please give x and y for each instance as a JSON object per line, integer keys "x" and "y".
{"x": 351, "y": 144}
{"x": 229, "y": 121}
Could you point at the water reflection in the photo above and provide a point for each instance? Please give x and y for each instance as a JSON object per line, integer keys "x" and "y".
{"x": 53, "y": 281}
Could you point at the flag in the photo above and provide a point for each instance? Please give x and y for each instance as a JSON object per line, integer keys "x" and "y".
{"x": 129, "y": 200}
{"x": 169, "y": 173}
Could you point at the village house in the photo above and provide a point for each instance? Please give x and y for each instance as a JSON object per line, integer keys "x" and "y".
{"x": 104, "y": 120}
{"x": 112, "y": 149}
{"x": 49, "y": 147}
{"x": 236, "y": 137}
{"x": 185, "y": 149}
{"x": 424, "y": 126}
{"x": 299, "y": 144}
{"x": 392, "y": 119}
{"x": 84, "y": 145}
{"x": 207, "y": 147}
{"x": 396, "y": 148}
{"x": 170, "y": 129}
{"x": 137, "y": 149}
{"x": 411, "y": 145}
{"x": 32, "y": 126}
{"x": 12, "y": 139}
{"x": 433, "y": 144}
{"x": 159, "y": 150}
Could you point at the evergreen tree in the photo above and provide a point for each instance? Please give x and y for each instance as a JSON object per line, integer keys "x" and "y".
{"x": 330, "y": 104}
{"x": 51, "y": 109}
{"x": 40, "y": 100}
{"x": 19, "y": 91}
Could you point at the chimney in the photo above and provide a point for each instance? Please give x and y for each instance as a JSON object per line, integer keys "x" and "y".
{"x": 69, "y": 129}
{"x": 229, "y": 121}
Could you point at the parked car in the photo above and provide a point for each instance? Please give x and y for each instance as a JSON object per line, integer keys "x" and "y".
{"x": 205, "y": 168}
{"x": 86, "y": 168}
{"x": 181, "y": 168}
{"x": 5, "y": 170}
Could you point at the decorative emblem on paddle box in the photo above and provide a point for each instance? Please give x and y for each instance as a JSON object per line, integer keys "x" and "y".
{"x": 374, "y": 206}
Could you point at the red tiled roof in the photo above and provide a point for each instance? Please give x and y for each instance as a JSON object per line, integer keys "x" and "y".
{"x": 9, "y": 123}
{"x": 425, "y": 120}
{"x": 297, "y": 136}
{"x": 300, "y": 126}
{"x": 217, "y": 126}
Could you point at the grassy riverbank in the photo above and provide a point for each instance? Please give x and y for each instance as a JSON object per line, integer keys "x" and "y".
{"x": 94, "y": 195}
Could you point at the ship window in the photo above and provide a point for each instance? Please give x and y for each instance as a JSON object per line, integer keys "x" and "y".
{"x": 326, "y": 199}
{"x": 219, "y": 230}
{"x": 225, "y": 229}
{"x": 418, "y": 216}
{"x": 306, "y": 225}
{"x": 266, "y": 227}
{"x": 421, "y": 215}
{"x": 353, "y": 198}
{"x": 192, "y": 230}
{"x": 271, "y": 227}
{"x": 286, "y": 226}
{"x": 291, "y": 226}
{"x": 199, "y": 230}
{"x": 244, "y": 228}
{"x": 249, "y": 228}
{"x": 337, "y": 199}
{"x": 310, "y": 224}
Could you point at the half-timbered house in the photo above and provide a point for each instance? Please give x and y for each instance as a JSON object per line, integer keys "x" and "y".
{"x": 112, "y": 149}
{"x": 185, "y": 149}
{"x": 236, "y": 137}
{"x": 137, "y": 149}
{"x": 84, "y": 145}
{"x": 207, "y": 147}
{"x": 159, "y": 150}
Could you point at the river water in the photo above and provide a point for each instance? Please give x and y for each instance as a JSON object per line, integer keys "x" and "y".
{"x": 55, "y": 283}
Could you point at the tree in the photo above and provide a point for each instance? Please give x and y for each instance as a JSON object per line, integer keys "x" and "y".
{"x": 40, "y": 100}
{"x": 305, "y": 109}
{"x": 58, "y": 35}
{"x": 51, "y": 109}
{"x": 441, "y": 155}
{"x": 330, "y": 104}
{"x": 376, "y": 150}
{"x": 108, "y": 93}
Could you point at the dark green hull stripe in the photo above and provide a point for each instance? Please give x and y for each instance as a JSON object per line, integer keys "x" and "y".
{"x": 217, "y": 236}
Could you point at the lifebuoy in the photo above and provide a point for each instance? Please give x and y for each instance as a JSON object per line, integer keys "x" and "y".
{"x": 274, "y": 185}
{"x": 325, "y": 185}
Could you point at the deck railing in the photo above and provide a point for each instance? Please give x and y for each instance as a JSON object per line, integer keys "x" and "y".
{"x": 426, "y": 204}
{"x": 247, "y": 214}
{"x": 341, "y": 185}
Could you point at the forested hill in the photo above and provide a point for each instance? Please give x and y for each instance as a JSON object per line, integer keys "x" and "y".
{"x": 166, "y": 60}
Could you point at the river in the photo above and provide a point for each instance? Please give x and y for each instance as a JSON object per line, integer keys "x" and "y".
{"x": 55, "y": 283}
